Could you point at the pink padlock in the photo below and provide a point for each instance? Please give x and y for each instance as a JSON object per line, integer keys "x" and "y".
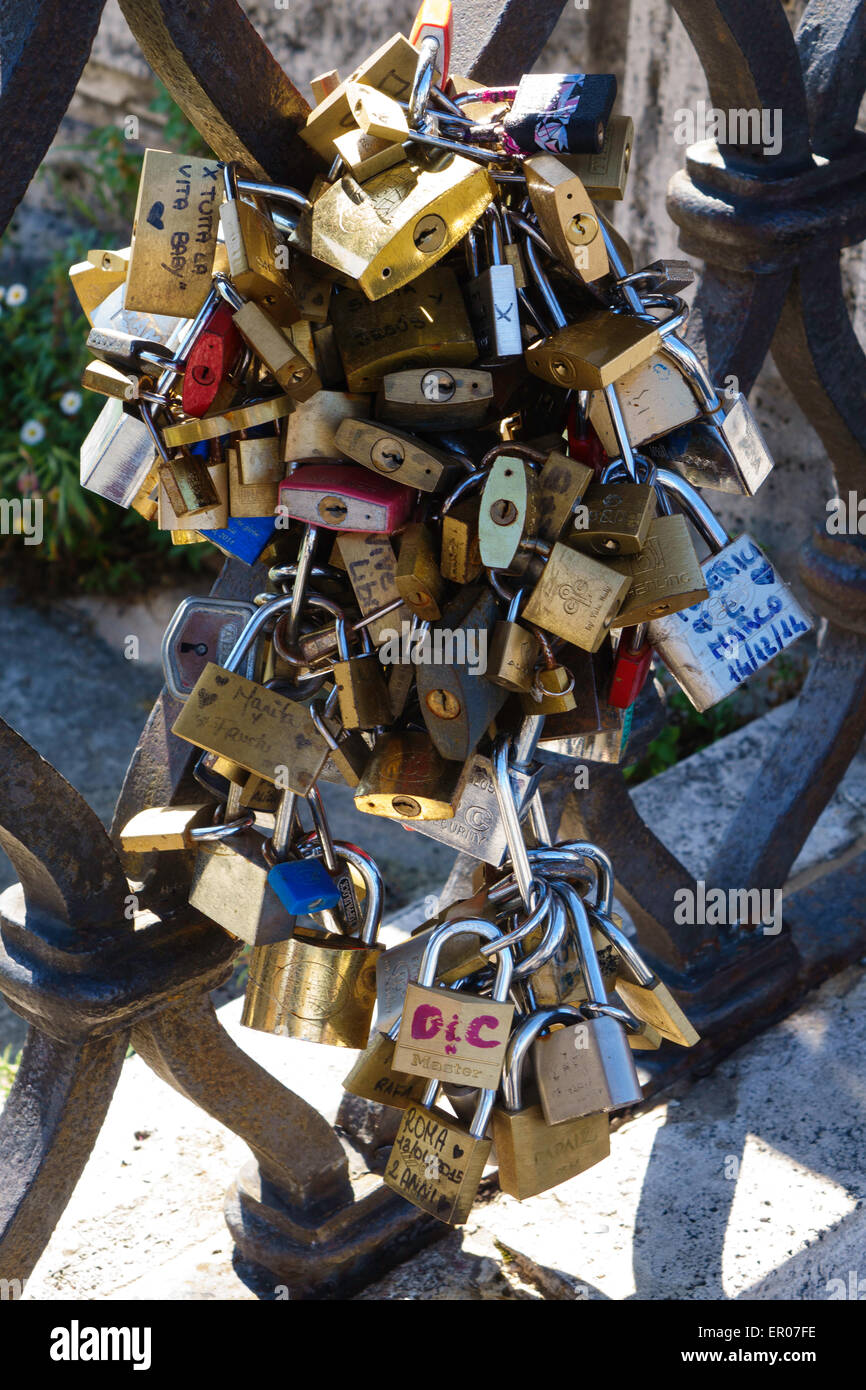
{"x": 345, "y": 497}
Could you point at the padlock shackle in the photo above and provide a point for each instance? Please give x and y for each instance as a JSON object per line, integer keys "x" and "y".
{"x": 553, "y": 305}
{"x": 310, "y": 847}
{"x": 476, "y": 926}
{"x": 422, "y": 83}
{"x": 589, "y": 967}
{"x": 280, "y": 193}
{"x": 696, "y": 508}
{"x": 226, "y": 290}
{"x": 259, "y": 619}
{"x": 520, "y": 1043}
{"x": 510, "y": 818}
{"x": 624, "y": 948}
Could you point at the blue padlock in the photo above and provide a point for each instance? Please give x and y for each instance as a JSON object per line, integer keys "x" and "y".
{"x": 303, "y": 885}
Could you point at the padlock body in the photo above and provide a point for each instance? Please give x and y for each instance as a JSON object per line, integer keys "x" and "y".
{"x": 449, "y": 1036}
{"x": 534, "y": 1156}
{"x": 321, "y": 989}
{"x": 436, "y": 1164}
{"x": 374, "y": 1078}
{"x": 303, "y": 885}
{"x": 584, "y": 1069}
{"x": 749, "y": 616}
{"x": 230, "y": 885}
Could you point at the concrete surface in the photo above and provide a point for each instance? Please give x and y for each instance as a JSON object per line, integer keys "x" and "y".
{"x": 748, "y": 1185}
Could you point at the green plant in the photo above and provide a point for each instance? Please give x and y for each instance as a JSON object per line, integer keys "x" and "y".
{"x": 46, "y": 415}
{"x": 687, "y": 732}
{"x": 8, "y": 1069}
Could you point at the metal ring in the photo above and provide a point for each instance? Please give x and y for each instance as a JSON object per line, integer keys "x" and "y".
{"x": 218, "y": 831}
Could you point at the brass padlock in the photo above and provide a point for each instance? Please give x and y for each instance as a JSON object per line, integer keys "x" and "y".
{"x": 406, "y": 779}
{"x": 374, "y": 1077}
{"x": 446, "y": 397}
{"x": 566, "y": 215}
{"x": 385, "y": 232}
{"x": 390, "y": 70}
{"x": 664, "y": 577}
{"x": 576, "y": 598}
{"x": 614, "y": 519}
{"x": 654, "y": 399}
{"x": 514, "y": 648}
{"x": 360, "y": 682}
{"x": 393, "y": 454}
{"x": 594, "y": 352}
{"x": 605, "y": 173}
{"x": 458, "y": 705}
{"x": 93, "y": 281}
{"x": 372, "y": 570}
{"x": 286, "y": 363}
{"x": 174, "y": 234}
{"x": 417, "y": 576}
{"x": 562, "y": 483}
{"x": 460, "y": 560}
{"x": 257, "y": 262}
{"x": 310, "y": 429}
{"x": 425, "y": 322}
{"x": 317, "y": 987}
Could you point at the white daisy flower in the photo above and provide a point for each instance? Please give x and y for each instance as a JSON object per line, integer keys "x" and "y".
{"x": 32, "y": 432}
{"x": 70, "y": 402}
{"x": 16, "y": 294}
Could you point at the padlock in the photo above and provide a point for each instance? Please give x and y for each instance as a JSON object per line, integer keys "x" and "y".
{"x": 371, "y": 567}
{"x": 508, "y": 508}
{"x": 243, "y": 417}
{"x": 202, "y": 630}
{"x": 286, "y": 364}
{"x": 349, "y": 754}
{"x": 477, "y": 827}
{"x": 373, "y": 1075}
{"x": 576, "y": 598}
{"x": 453, "y": 1035}
{"x": 367, "y": 155}
{"x": 749, "y": 616}
{"x": 456, "y": 705}
{"x": 255, "y": 472}
{"x": 117, "y": 456}
{"x": 562, "y": 483}
{"x": 206, "y": 384}
{"x": 317, "y": 987}
{"x": 345, "y": 497}
{"x": 616, "y": 521}
{"x": 387, "y": 231}
{"x": 390, "y": 70}
{"x": 257, "y": 262}
{"x": 587, "y": 1067}
{"x": 533, "y": 1156}
{"x": 492, "y": 297}
{"x": 437, "y": 1163}
{"x": 654, "y": 398}
{"x": 459, "y": 957}
{"x": 231, "y": 880}
{"x": 446, "y": 397}
{"x": 592, "y": 352}
{"x": 417, "y": 576}
{"x": 604, "y": 173}
{"x": 460, "y": 560}
{"x": 551, "y": 690}
{"x": 310, "y": 429}
{"x": 640, "y": 988}
{"x": 192, "y": 492}
{"x": 93, "y": 282}
{"x": 363, "y": 694}
{"x": 377, "y": 114}
{"x": 393, "y": 454}
{"x": 566, "y": 216}
{"x": 174, "y": 234}
{"x": 514, "y": 648}
{"x": 220, "y": 707}
{"x": 565, "y": 112}
{"x": 665, "y": 577}
{"x": 406, "y": 779}
{"x": 631, "y": 667}
{"x": 164, "y": 828}
{"x": 423, "y": 323}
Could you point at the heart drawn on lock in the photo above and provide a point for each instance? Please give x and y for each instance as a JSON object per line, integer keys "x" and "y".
{"x": 154, "y": 217}
{"x": 205, "y": 698}
{"x": 457, "y": 1152}
{"x": 221, "y": 680}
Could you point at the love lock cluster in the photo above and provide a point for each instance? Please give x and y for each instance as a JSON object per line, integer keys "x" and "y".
{"x": 432, "y": 393}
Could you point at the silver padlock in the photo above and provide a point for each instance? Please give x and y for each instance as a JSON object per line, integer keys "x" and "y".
{"x": 749, "y": 617}
{"x": 203, "y": 630}
{"x": 492, "y": 299}
{"x": 587, "y": 1067}
{"x": 477, "y": 827}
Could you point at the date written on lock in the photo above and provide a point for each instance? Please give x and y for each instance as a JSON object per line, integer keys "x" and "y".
{"x": 445, "y": 1037}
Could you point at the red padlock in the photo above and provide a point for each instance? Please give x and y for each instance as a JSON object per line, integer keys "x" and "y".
{"x": 631, "y": 667}
{"x": 210, "y": 360}
{"x": 345, "y": 497}
{"x": 583, "y": 442}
